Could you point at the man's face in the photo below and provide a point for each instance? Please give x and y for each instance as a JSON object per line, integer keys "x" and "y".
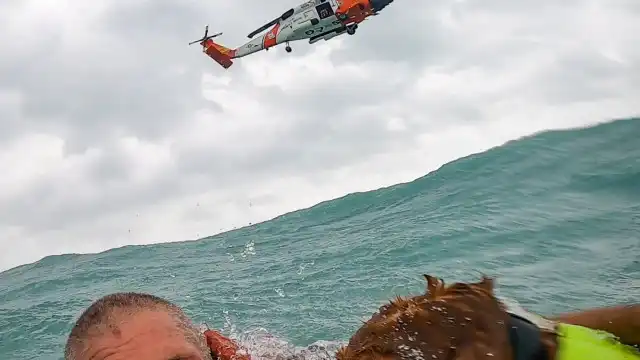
{"x": 147, "y": 335}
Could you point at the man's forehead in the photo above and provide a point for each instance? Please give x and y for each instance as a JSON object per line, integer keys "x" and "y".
{"x": 136, "y": 321}
{"x": 140, "y": 334}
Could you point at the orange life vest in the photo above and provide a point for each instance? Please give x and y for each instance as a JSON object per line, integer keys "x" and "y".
{"x": 223, "y": 348}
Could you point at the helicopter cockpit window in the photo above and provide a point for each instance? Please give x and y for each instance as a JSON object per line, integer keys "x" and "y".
{"x": 287, "y": 14}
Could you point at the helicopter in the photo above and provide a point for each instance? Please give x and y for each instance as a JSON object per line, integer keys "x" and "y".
{"x": 314, "y": 20}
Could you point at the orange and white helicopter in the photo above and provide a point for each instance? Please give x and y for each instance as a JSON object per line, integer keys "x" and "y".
{"x": 313, "y": 20}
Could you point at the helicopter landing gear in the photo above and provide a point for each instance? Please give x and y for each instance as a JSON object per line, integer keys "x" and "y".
{"x": 288, "y": 48}
{"x": 351, "y": 29}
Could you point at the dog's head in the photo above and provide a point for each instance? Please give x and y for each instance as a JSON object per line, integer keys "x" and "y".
{"x": 463, "y": 321}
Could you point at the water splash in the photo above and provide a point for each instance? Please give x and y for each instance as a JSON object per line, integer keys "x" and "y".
{"x": 262, "y": 345}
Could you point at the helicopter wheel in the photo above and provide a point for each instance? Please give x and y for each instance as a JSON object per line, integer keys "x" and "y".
{"x": 288, "y": 49}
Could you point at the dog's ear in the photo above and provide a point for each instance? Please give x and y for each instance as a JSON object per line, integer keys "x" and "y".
{"x": 434, "y": 285}
{"x": 487, "y": 283}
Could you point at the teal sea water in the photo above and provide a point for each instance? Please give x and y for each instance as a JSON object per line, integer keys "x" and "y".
{"x": 555, "y": 216}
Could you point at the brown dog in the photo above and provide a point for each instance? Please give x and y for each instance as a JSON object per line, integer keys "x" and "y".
{"x": 467, "y": 321}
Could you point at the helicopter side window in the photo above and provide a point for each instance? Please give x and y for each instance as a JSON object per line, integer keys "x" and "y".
{"x": 324, "y": 10}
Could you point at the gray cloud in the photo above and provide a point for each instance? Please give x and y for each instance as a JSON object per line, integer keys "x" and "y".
{"x": 114, "y": 131}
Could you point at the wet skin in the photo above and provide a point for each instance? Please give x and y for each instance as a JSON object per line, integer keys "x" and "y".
{"x": 148, "y": 335}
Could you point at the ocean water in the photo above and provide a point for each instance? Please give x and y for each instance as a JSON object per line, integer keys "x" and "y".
{"x": 555, "y": 217}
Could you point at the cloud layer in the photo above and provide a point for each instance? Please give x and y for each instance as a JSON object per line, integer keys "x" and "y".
{"x": 113, "y": 131}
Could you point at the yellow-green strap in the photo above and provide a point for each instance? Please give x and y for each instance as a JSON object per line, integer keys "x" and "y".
{"x": 581, "y": 343}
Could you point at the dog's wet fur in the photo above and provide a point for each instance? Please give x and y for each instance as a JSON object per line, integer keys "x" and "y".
{"x": 463, "y": 321}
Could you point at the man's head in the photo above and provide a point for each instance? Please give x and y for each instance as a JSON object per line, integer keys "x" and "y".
{"x": 135, "y": 326}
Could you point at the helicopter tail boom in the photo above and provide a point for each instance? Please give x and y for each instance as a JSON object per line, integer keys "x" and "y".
{"x": 222, "y": 55}
{"x": 219, "y": 53}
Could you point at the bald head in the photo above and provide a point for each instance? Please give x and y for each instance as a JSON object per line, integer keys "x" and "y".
{"x": 135, "y": 325}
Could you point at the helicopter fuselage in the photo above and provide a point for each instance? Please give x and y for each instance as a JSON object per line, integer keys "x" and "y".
{"x": 314, "y": 20}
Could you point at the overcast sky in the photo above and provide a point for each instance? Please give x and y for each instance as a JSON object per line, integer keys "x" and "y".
{"x": 113, "y": 131}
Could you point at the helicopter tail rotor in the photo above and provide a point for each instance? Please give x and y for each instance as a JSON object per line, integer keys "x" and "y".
{"x": 206, "y": 36}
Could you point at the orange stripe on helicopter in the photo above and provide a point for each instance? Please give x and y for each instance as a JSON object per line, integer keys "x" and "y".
{"x": 270, "y": 38}
{"x": 223, "y": 49}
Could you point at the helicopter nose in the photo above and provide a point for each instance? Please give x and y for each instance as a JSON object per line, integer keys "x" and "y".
{"x": 377, "y": 5}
